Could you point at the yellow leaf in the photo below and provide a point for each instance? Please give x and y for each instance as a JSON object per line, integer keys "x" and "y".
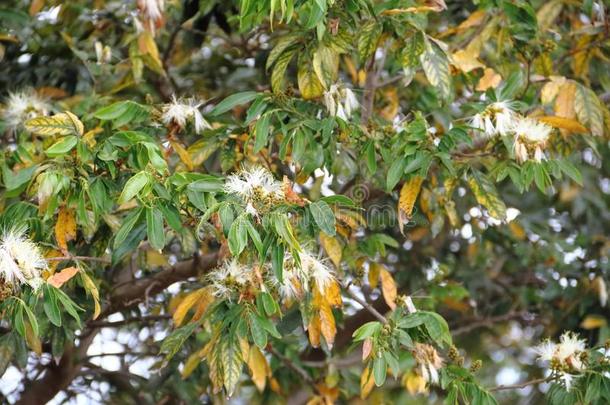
{"x": 332, "y": 247}
{"x": 374, "y": 269}
{"x": 148, "y": 47}
{"x": 91, "y": 288}
{"x": 61, "y": 124}
{"x": 258, "y": 368}
{"x": 388, "y": 287}
{"x": 489, "y": 80}
{"x": 593, "y": 322}
{"x": 59, "y": 279}
{"x": 313, "y": 330}
{"x": 517, "y": 230}
{"x": 191, "y": 364}
{"x": 581, "y": 57}
{"x": 309, "y": 84}
{"x": 568, "y": 124}
{"x": 414, "y": 383}
{"x": 367, "y": 382}
{"x": 183, "y": 154}
{"x": 564, "y": 103}
{"x": 466, "y": 60}
{"x": 547, "y": 14}
{"x": 65, "y": 228}
{"x": 187, "y": 303}
{"x": 332, "y": 294}
{"x": 549, "y": 90}
{"x": 406, "y": 202}
{"x": 32, "y": 340}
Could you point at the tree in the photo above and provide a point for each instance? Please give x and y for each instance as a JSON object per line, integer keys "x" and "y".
{"x": 305, "y": 201}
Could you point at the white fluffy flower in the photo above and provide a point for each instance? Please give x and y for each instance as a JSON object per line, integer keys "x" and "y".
{"x": 530, "y": 139}
{"x": 152, "y": 13}
{"x": 317, "y": 270}
{"x": 180, "y": 112}
{"x": 229, "y": 278}
{"x": 256, "y": 187}
{"x": 429, "y": 362}
{"x": 497, "y": 118}
{"x": 22, "y": 106}
{"x": 21, "y": 261}
{"x": 546, "y": 350}
{"x": 567, "y": 379}
{"x": 340, "y": 102}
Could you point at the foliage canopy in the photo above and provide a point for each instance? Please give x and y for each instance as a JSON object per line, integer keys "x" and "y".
{"x": 307, "y": 201}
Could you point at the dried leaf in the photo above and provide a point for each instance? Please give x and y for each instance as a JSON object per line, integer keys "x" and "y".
{"x": 65, "y": 228}
{"x": 91, "y": 288}
{"x": 59, "y": 279}
{"x": 593, "y": 322}
{"x": 564, "y": 123}
{"x": 327, "y": 325}
{"x": 258, "y": 367}
{"x": 367, "y": 382}
{"x": 564, "y": 103}
{"x": 367, "y": 347}
{"x": 406, "y": 202}
{"x": 313, "y": 330}
{"x": 374, "y": 270}
{"x": 332, "y": 247}
{"x": 489, "y": 80}
{"x": 183, "y": 154}
{"x": 466, "y": 61}
{"x": 388, "y": 287}
{"x": 187, "y": 303}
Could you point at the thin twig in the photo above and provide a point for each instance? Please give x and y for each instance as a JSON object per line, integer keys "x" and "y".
{"x": 114, "y": 324}
{"x": 521, "y": 385}
{"x": 294, "y": 367}
{"x": 365, "y": 305}
{"x": 83, "y": 258}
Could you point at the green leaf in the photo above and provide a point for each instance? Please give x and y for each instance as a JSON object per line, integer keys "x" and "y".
{"x": 309, "y": 84}
{"x": 174, "y": 342}
{"x": 269, "y": 303}
{"x": 486, "y": 195}
{"x": 367, "y": 330}
{"x": 63, "y": 146}
{"x": 232, "y": 363}
{"x": 324, "y": 217}
{"x": 259, "y": 335}
{"x": 238, "y": 236}
{"x": 126, "y": 227}
{"x": 436, "y": 67}
{"x": 134, "y": 185}
{"x": 278, "y": 50}
{"x": 370, "y": 33}
{"x": 261, "y": 131}
{"x": 233, "y": 100}
{"x": 414, "y": 47}
{"x": 279, "y": 70}
{"x": 380, "y": 369}
{"x": 51, "y": 306}
{"x": 326, "y": 64}
{"x": 589, "y": 110}
{"x": 122, "y": 113}
{"x": 154, "y": 228}
{"x": 62, "y": 124}
{"x": 255, "y": 236}
{"x": 570, "y": 170}
{"x": 395, "y": 172}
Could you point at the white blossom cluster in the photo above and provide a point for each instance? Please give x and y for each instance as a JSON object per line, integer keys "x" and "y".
{"x": 564, "y": 358}
{"x": 21, "y": 261}
{"x": 180, "y": 112}
{"x": 256, "y": 187}
{"x": 529, "y": 136}
{"x": 340, "y": 101}
{"x": 22, "y": 106}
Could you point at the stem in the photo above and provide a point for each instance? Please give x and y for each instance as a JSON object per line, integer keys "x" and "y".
{"x": 83, "y": 258}
{"x": 291, "y": 365}
{"x": 521, "y": 385}
{"x": 365, "y": 305}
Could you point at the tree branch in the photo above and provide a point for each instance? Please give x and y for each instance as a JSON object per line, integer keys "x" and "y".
{"x": 522, "y": 385}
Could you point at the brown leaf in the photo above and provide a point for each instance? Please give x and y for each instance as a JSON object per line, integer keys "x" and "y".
{"x": 490, "y": 79}
{"x": 65, "y": 228}
{"x": 367, "y": 347}
{"x": 59, "y": 279}
{"x": 388, "y": 288}
{"x": 327, "y": 325}
{"x": 291, "y": 196}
